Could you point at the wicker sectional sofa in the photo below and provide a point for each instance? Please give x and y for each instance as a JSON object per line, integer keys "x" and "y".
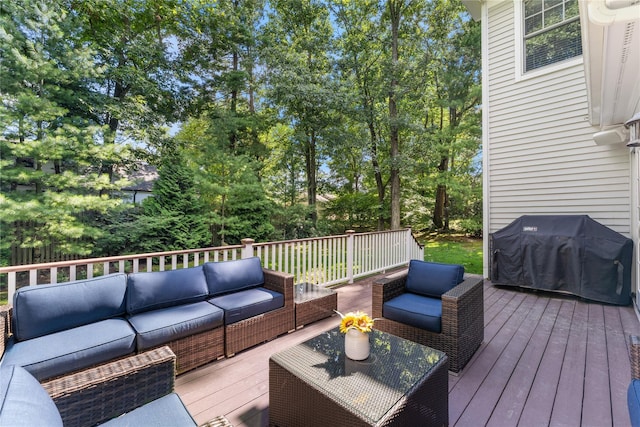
{"x": 201, "y": 313}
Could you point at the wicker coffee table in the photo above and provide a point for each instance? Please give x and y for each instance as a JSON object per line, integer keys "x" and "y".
{"x": 401, "y": 383}
{"x": 313, "y": 303}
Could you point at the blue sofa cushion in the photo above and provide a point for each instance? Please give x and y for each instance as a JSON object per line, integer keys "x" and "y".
{"x": 415, "y": 310}
{"x": 158, "y": 289}
{"x": 433, "y": 279}
{"x": 23, "y": 401}
{"x": 248, "y": 303}
{"x": 73, "y": 349}
{"x": 165, "y": 411}
{"x": 633, "y": 402}
{"x": 231, "y": 276}
{"x": 45, "y": 309}
{"x": 171, "y": 323}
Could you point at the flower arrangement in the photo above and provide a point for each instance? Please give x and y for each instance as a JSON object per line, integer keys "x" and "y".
{"x": 358, "y": 320}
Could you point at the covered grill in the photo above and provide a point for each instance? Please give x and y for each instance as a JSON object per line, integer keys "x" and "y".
{"x": 565, "y": 253}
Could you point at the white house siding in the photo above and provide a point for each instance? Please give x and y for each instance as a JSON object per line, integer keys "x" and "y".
{"x": 539, "y": 148}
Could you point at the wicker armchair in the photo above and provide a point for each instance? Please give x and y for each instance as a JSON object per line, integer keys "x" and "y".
{"x": 462, "y": 321}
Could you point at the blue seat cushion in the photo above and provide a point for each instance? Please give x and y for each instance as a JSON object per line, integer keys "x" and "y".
{"x": 231, "y": 276}
{"x": 44, "y": 309}
{"x": 633, "y": 402}
{"x": 245, "y": 304}
{"x": 432, "y": 279}
{"x": 23, "y": 401}
{"x": 167, "y": 324}
{"x": 158, "y": 289}
{"x": 415, "y": 310}
{"x": 165, "y": 411}
{"x": 73, "y": 349}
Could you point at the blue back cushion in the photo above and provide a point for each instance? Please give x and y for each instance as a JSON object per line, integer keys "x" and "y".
{"x": 44, "y": 309}
{"x": 23, "y": 401}
{"x": 158, "y": 289}
{"x": 433, "y": 279}
{"x": 231, "y": 276}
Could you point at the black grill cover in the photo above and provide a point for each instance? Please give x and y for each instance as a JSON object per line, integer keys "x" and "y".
{"x": 564, "y": 253}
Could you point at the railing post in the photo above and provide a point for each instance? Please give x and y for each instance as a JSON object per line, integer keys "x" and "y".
{"x": 247, "y": 248}
{"x": 350, "y": 254}
{"x": 409, "y": 243}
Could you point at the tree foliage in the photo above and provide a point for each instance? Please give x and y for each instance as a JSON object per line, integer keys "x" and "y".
{"x": 51, "y": 151}
{"x": 288, "y": 118}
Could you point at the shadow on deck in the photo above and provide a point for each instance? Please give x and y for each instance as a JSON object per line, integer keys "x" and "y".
{"x": 545, "y": 360}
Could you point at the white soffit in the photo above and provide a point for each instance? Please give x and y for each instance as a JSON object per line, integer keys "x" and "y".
{"x": 611, "y": 49}
{"x": 474, "y": 7}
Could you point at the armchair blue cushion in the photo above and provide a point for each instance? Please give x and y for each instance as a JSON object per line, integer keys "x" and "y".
{"x": 248, "y": 303}
{"x": 415, "y": 310}
{"x": 23, "y": 401}
{"x": 73, "y": 349}
{"x": 160, "y": 326}
{"x": 231, "y": 276}
{"x": 633, "y": 402}
{"x": 166, "y": 411}
{"x": 45, "y": 309}
{"x": 158, "y": 289}
{"x": 433, "y": 279}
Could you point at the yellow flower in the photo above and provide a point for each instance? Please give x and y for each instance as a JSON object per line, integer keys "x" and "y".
{"x": 358, "y": 320}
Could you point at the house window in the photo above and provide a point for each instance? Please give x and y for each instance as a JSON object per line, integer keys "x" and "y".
{"x": 551, "y": 32}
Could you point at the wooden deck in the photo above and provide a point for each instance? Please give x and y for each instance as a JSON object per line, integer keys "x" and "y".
{"x": 545, "y": 360}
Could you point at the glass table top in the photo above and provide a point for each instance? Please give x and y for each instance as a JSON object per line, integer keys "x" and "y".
{"x": 308, "y": 291}
{"x": 370, "y": 387}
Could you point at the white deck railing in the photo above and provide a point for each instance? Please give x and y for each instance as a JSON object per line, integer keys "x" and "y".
{"x": 322, "y": 260}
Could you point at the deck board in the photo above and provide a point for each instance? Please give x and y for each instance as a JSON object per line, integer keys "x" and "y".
{"x": 545, "y": 360}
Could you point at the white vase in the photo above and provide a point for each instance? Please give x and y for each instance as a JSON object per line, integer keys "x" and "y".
{"x": 356, "y": 344}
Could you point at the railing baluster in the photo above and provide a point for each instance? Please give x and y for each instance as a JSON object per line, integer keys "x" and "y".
{"x": 11, "y": 285}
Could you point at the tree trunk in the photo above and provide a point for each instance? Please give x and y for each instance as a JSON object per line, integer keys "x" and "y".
{"x": 310, "y": 165}
{"x": 394, "y": 9}
{"x": 377, "y": 174}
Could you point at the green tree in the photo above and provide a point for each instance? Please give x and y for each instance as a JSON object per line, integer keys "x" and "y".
{"x": 360, "y": 65}
{"x": 173, "y": 218}
{"x": 232, "y": 195}
{"x": 52, "y": 155}
{"x": 138, "y": 86}
{"x": 296, "y": 50}
{"x": 452, "y": 120}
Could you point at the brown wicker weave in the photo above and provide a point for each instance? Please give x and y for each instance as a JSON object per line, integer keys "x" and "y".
{"x": 462, "y": 318}
{"x": 635, "y": 357}
{"x": 400, "y": 384}
{"x": 198, "y": 349}
{"x": 267, "y": 326}
{"x": 95, "y": 395}
{"x": 313, "y": 304}
{"x": 5, "y": 327}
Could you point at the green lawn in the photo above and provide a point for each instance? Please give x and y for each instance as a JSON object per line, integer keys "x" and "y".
{"x": 455, "y": 250}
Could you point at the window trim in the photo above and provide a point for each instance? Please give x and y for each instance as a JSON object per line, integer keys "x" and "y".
{"x": 520, "y": 73}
